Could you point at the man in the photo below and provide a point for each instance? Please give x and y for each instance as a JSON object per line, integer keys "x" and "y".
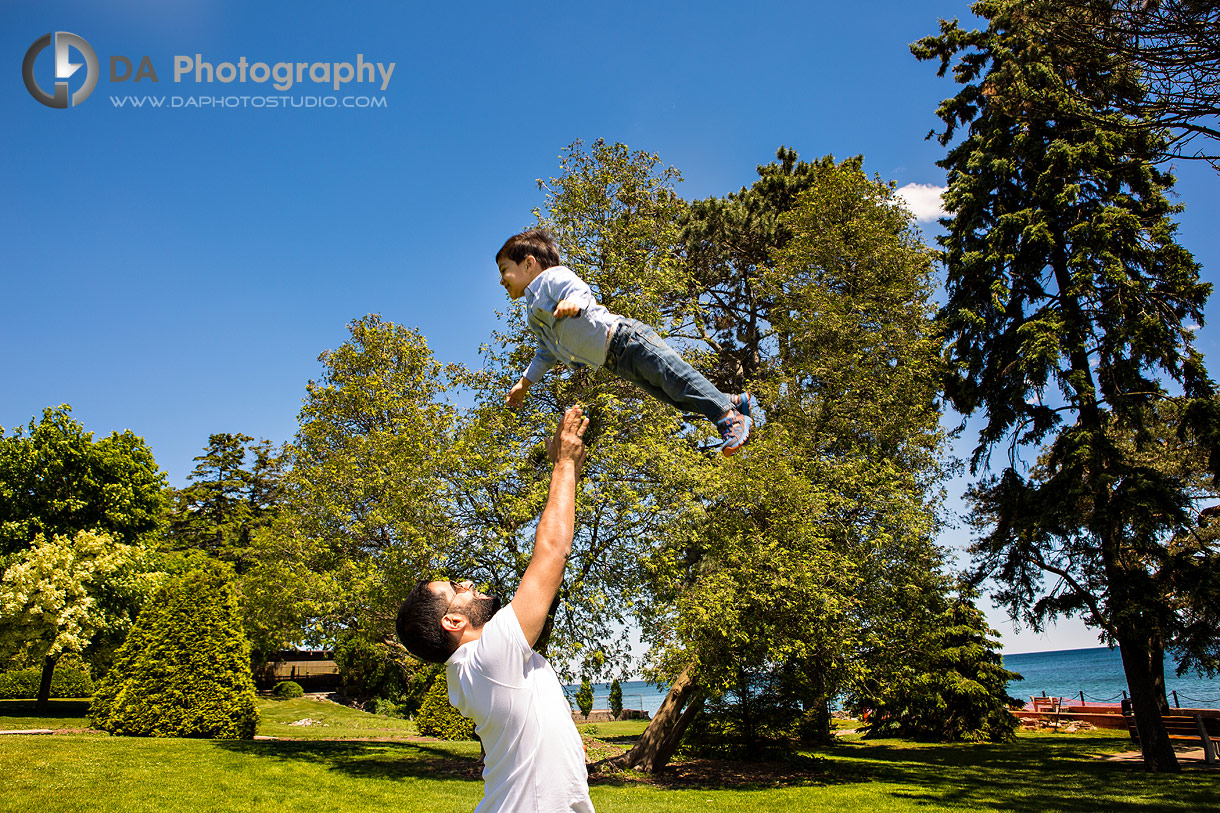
{"x": 535, "y": 760}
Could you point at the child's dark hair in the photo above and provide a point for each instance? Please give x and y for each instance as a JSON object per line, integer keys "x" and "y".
{"x": 537, "y": 242}
{"x": 419, "y": 625}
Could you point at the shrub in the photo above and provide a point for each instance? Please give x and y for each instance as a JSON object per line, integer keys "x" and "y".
{"x": 616, "y": 699}
{"x": 288, "y": 689}
{"x": 66, "y": 682}
{"x": 438, "y": 718}
{"x": 386, "y": 707}
{"x": 584, "y": 697}
{"x": 366, "y": 668}
{"x": 184, "y": 671}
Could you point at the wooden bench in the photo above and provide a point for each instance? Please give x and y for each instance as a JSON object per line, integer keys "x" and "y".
{"x": 1187, "y": 725}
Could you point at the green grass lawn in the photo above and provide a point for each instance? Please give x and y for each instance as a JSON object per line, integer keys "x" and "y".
{"x": 359, "y": 762}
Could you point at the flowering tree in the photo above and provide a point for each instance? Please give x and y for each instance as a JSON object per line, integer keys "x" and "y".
{"x": 60, "y": 593}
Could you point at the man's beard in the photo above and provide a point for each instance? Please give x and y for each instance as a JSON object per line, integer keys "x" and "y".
{"x": 480, "y": 610}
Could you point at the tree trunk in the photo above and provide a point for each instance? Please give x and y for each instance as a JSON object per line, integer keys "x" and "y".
{"x": 818, "y": 708}
{"x": 44, "y": 686}
{"x": 657, "y": 744}
{"x": 1147, "y": 706}
{"x": 665, "y": 752}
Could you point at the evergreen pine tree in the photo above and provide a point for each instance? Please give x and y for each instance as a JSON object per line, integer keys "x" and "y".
{"x": 584, "y": 697}
{"x": 960, "y": 694}
{"x": 1067, "y": 322}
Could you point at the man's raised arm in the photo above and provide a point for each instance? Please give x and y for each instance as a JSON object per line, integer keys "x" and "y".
{"x": 553, "y": 539}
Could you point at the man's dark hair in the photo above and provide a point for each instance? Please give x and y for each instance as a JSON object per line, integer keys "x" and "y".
{"x": 419, "y": 625}
{"x": 538, "y": 242}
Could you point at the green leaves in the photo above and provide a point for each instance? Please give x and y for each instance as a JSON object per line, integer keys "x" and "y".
{"x": 1064, "y": 268}
{"x": 59, "y": 593}
{"x": 55, "y": 479}
{"x": 955, "y": 689}
{"x": 184, "y": 671}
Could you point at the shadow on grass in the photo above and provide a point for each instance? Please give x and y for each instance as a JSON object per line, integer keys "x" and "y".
{"x": 366, "y": 760}
{"x": 723, "y": 774}
{"x": 61, "y": 709}
{"x": 1050, "y": 772}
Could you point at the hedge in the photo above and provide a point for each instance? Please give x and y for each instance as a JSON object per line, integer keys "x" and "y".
{"x": 66, "y": 682}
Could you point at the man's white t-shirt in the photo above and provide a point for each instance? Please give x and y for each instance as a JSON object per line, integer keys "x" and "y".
{"x": 535, "y": 762}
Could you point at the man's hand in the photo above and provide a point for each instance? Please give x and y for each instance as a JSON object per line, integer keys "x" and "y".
{"x": 568, "y": 442}
{"x": 567, "y": 307}
{"x": 517, "y": 394}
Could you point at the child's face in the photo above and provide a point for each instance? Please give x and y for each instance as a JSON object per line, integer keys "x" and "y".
{"x": 516, "y": 276}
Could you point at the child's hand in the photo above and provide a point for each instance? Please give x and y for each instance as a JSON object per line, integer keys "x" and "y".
{"x": 567, "y": 307}
{"x": 517, "y": 394}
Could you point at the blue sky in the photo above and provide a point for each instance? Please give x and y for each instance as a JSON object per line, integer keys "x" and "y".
{"x": 177, "y": 270}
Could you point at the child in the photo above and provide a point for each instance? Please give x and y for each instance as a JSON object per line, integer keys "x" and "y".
{"x": 573, "y": 328}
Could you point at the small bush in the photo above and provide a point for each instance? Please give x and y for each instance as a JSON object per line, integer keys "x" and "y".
{"x": 438, "y": 718}
{"x": 616, "y": 699}
{"x": 387, "y": 707}
{"x": 584, "y": 697}
{"x": 66, "y": 682}
{"x": 288, "y": 689}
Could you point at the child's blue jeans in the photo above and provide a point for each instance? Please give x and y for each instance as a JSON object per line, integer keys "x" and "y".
{"x": 637, "y": 354}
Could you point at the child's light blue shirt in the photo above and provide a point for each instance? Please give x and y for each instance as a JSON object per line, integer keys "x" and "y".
{"x": 577, "y": 341}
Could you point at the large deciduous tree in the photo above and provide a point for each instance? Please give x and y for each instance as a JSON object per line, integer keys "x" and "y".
{"x": 613, "y": 212}
{"x": 1069, "y": 314}
{"x": 811, "y": 554}
{"x": 363, "y": 496}
{"x": 56, "y": 480}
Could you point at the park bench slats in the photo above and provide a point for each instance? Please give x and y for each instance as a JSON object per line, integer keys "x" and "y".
{"x": 1193, "y": 726}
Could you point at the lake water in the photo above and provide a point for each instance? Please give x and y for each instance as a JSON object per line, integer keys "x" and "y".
{"x": 637, "y": 694}
{"x": 1097, "y": 672}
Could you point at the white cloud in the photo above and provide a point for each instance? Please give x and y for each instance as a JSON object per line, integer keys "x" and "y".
{"x": 923, "y": 199}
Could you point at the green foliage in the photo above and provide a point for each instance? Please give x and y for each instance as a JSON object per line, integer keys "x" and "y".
{"x": 385, "y": 707}
{"x": 814, "y": 555}
{"x": 584, "y": 697}
{"x": 235, "y": 490}
{"x": 438, "y": 718}
{"x": 66, "y": 682}
{"x": 616, "y": 698}
{"x": 1067, "y": 323}
{"x": 1169, "y": 46}
{"x": 55, "y": 480}
{"x": 70, "y": 595}
{"x": 366, "y": 480}
{"x": 288, "y": 689}
{"x": 367, "y": 669}
{"x": 956, "y": 689}
{"x": 753, "y": 719}
{"x": 185, "y": 668}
